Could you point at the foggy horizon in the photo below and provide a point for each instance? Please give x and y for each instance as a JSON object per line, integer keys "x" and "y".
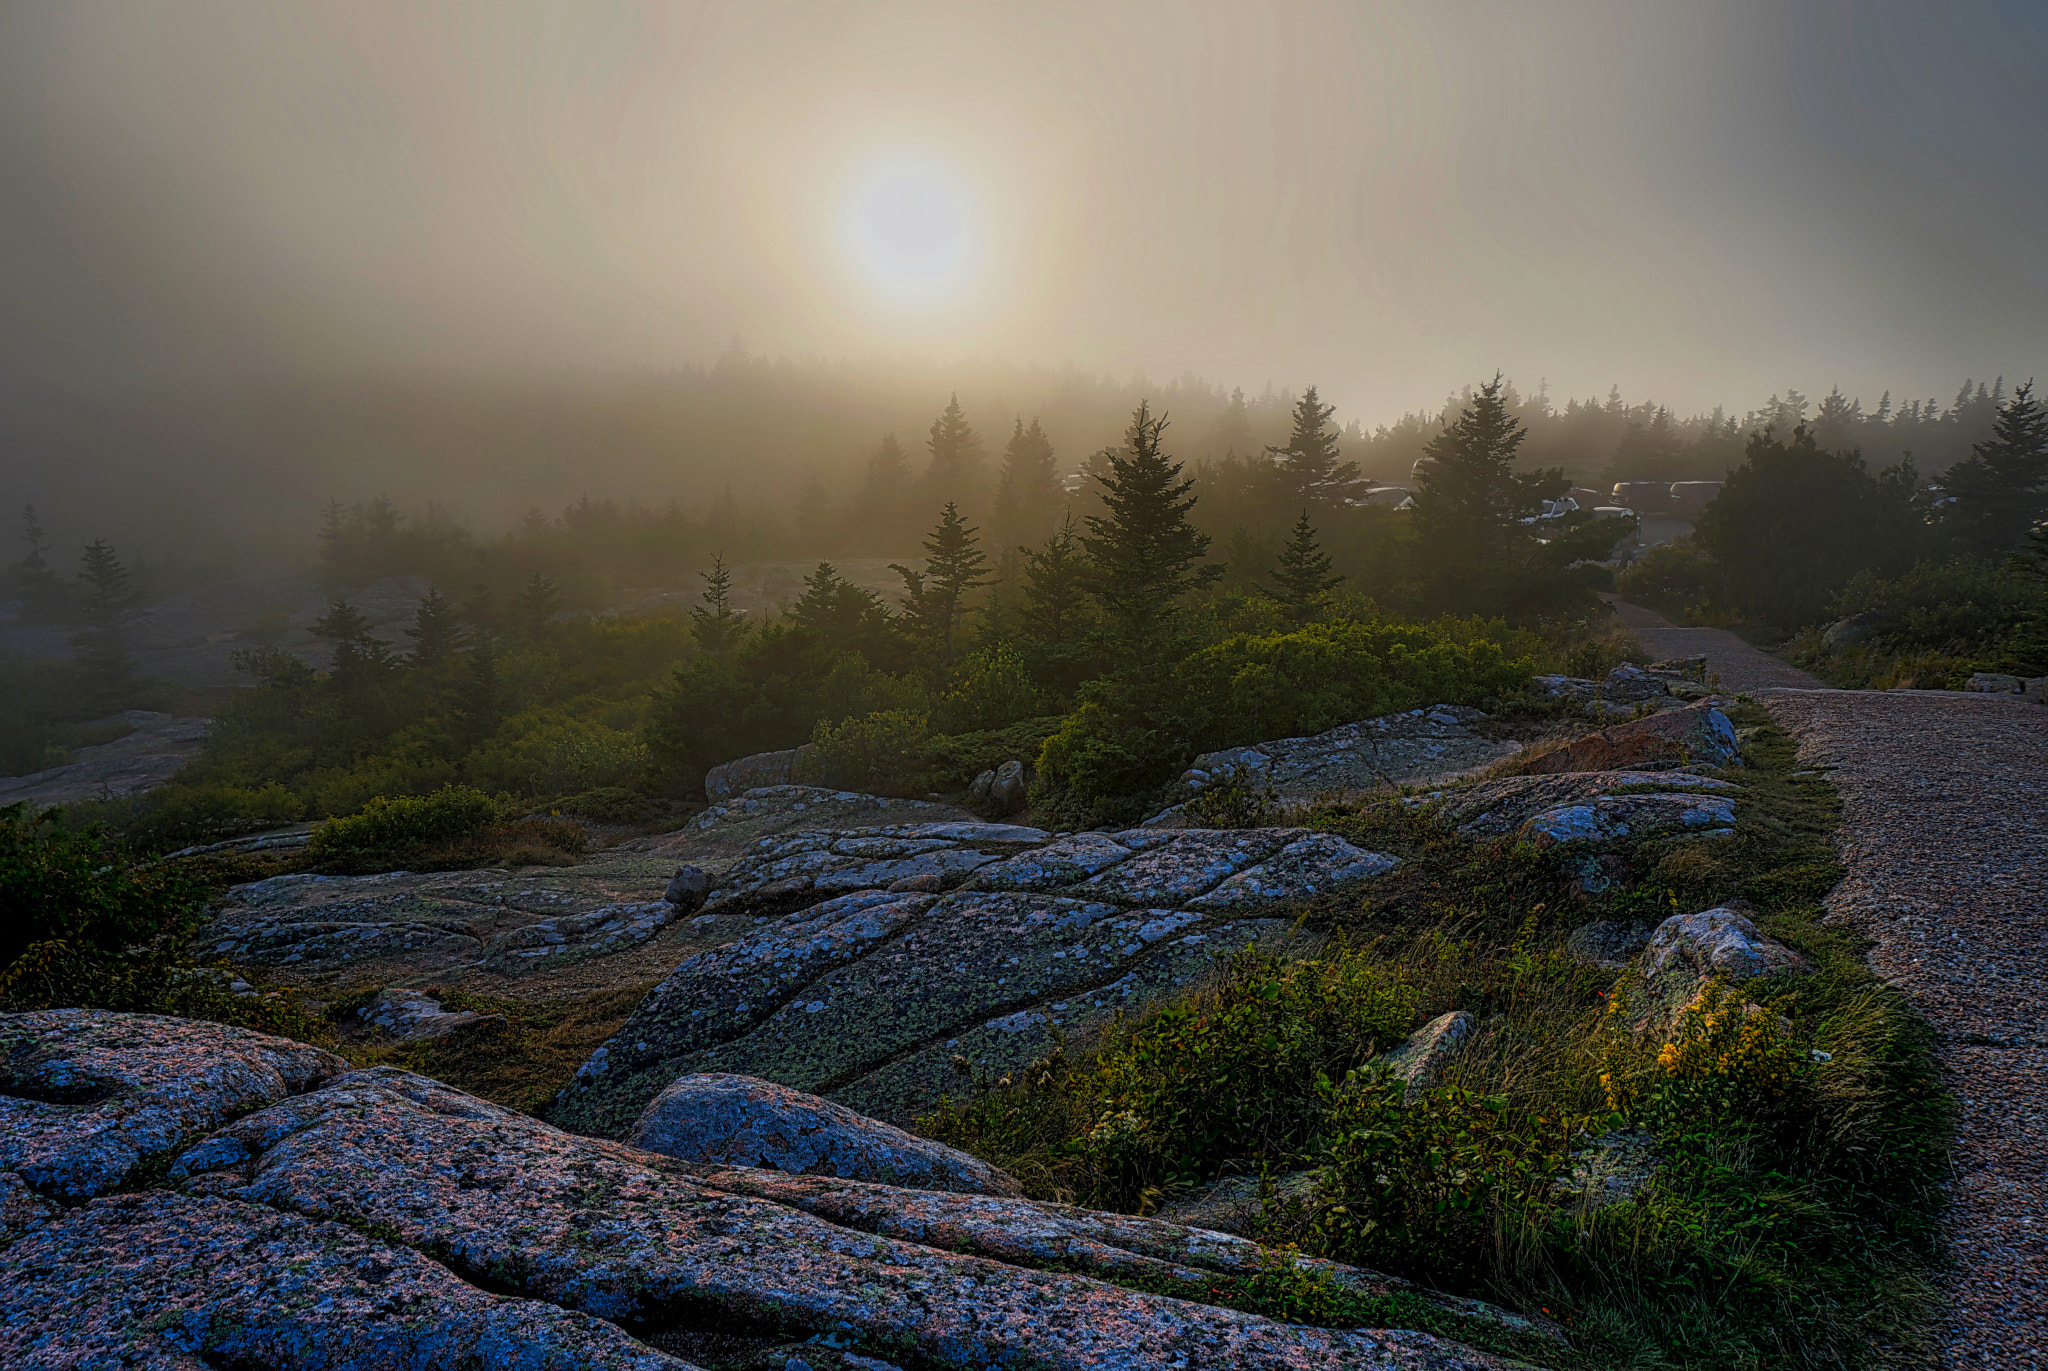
{"x": 1700, "y": 209}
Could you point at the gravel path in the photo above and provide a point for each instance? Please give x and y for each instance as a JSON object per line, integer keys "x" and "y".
{"x": 1742, "y": 667}
{"x": 1945, "y": 836}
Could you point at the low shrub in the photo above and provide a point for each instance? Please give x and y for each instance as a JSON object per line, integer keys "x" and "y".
{"x": 77, "y": 886}
{"x": 608, "y": 805}
{"x": 952, "y": 761}
{"x": 992, "y": 689}
{"x": 389, "y": 823}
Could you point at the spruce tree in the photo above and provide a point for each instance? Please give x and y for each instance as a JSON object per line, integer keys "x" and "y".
{"x": 1302, "y": 578}
{"x": 1029, "y": 494}
{"x": 479, "y": 703}
{"x": 108, "y": 595}
{"x": 35, "y": 582}
{"x": 1310, "y": 458}
{"x": 934, "y": 599}
{"x": 715, "y": 624}
{"x": 955, "y": 470}
{"x": 535, "y": 604}
{"x": 1144, "y": 551}
{"x": 1055, "y": 588}
{"x": 1470, "y": 543}
{"x": 436, "y": 630}
{"x": 359, "y": 656}
{"x": 2000, "y": 491}
{"x": 843, "y": 614}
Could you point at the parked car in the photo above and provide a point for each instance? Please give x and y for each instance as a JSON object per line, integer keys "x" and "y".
{"x": 1649, "y": 497}
{"x": 1690, "y": 497}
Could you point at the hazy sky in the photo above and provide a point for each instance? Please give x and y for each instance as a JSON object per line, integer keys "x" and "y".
{"x": 1701, "y": 202}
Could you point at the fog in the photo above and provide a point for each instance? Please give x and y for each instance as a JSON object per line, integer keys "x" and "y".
{"x": 225, "y": 224}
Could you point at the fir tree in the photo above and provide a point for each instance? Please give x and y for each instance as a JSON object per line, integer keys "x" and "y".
{"x": 2000, "y": 490}
{"x": 109, "y": 587}
{"x": 359, "y": 656}
{"x": 1310, "y": 458}
{"x": 955, "y": 470}
{"x": 479, "y": 703}
{"x": 715, "y": 624}
{"x": 1056, "y": 579}
{"x": 1468, "y": 505}
{"x": 480, "y": 611}
{"x": 536, "y": 602}
{"x": 1302, "y": 578}
{"x": 436, "y": 630}
{"x": 934, "y": 599}
{"x": 35, "y": 582}
{"x": 1029, "y": 492}
{"x": 843, "y": 614}
{"x": 1144, "y": 551}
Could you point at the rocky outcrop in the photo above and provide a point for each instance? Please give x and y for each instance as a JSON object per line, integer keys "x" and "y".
{"x": 1373, "y": 754}
{"x": 400, "y": 922}
{"x": 746, "y": 773}
{"x": 88, "y": 1097}
{"x": 1609, "y": 944}
{"x": 1599, "y": 807}
{"x": 155, "y": 747}
{"x": 741, "y": 1121}
{"x": 385, "y": 1219}
{"x": 885, "y": 1000}
{"x": 1698, "y": 735}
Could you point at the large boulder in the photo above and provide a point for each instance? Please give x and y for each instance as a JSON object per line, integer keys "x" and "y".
{"x": 1723, "y": 941}
{"x": 743, "y": 1121}
{"x": 1421, "y": 1059}
{"x": 742, "y": 774}
{"x": 414, "y": 1015}
{"x": 1586, "y": 804}
{"x": 384, "y": 1219}
{"x": 1698, "y": 735}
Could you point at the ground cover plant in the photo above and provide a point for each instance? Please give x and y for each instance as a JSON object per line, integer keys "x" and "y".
{"x": 1791, "y": 1216}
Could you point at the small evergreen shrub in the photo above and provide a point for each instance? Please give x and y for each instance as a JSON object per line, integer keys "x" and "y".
{"x": 387, "y": 822}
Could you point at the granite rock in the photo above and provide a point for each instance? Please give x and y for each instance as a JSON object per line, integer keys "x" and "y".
{"x": 1724, "y": 941}
{"x": 1358, "y": 758}
{"x": 88, "y": 1095}
{"x": 742, "y": 1121}
{"x": 746, "y": 773}
{"x": 1429, "y": 1049}
{"x": 1613, "y": 818}
{"x": 412, "y": 1015}
{"x": 1695, "y": 735}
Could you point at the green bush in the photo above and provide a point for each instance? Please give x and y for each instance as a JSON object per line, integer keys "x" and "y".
{"x": 608, "y": 805}
{"x": 386, "y": 822}
{"x": 877, "y": 754}
{"x": 992, "y": 689}
{"x": 545, "y": 752}
{"x": 953, "y": 761}
{"x": 1132, "y": 733}
{"x": 77, "y": 886}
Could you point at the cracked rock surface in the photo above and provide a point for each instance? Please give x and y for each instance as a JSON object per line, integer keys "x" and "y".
{"x": 383, "y": 1219}
{"x": 1359, "y": 758}
{"x": 874, "y": 997}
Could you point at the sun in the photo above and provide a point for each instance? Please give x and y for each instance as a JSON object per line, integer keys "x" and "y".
{"x": 912, "y": 233}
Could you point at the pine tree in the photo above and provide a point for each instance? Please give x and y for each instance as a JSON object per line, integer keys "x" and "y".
{"x": 715, "y": 624}
{"x": 934, "y": 599}
{"x": 955, "y": 470}
{"x": 843, "y": 614}
{"x": 35, "y": 582}
{"x": 1468, "y": 504}
{"x": 359, "y": 656}
{"x": 436, "y": 630}
{"x": 1302, "y": 576}
{"x": 1055, "y": 588}
{"x": 1230, "y": 433}
{"x": 2000, "y": 490}
{"x": 480, "y": 697}
{"x": 535, "y": 604}
{"x": 1144, "y": 551}
{"x": 109, "y": 587}
{"x": 1310, "y": 458}
{"x": 480, "y": 611}
{"x": 1029, "y": 494}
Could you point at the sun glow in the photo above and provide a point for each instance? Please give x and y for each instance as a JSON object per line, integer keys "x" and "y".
{"x": 913, "y": 233}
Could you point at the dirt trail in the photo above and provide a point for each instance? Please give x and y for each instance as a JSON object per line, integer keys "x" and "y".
{"x": 1945, "y": 836}
{"x": 1742, "y": 667}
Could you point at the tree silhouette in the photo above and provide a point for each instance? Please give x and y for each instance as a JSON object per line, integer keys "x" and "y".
{"x": 2001, "y": 489}
{"x": 1302, "y": 578}
{"x": 955, "y": 470}
{"x": 1310, "y": 458}
{"x": 1144, "y": 551}
{"x": 715, "y": 624}
{"x": 436, "y": 630}
{"x": 934, "y": 599}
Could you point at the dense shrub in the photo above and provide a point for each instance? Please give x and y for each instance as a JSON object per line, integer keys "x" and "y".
{"x": 77, "y": 886}
{"x": 1134, "y": 732}
{"x": 992, "y": 689}
{"x": 545, "y": 752}
{"x": 877, "y": 754}
{"x": 388, "y": 822}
